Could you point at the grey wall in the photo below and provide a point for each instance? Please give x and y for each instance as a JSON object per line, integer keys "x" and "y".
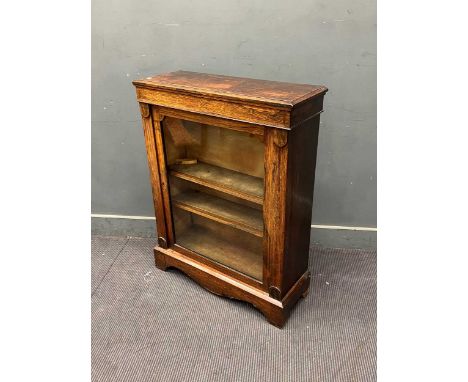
{"x": 316, "y": 42}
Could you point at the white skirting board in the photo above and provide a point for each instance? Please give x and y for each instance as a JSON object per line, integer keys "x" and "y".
{"x": 323, "y": 235}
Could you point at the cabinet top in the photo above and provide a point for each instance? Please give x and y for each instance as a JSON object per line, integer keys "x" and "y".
{"x": 234, "y": 88}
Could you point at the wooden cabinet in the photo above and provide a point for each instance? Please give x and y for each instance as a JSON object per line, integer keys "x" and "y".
{"x": 232, "y": 163}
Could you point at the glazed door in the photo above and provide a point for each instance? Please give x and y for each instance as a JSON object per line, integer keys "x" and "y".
{"x": 215, "y": 178}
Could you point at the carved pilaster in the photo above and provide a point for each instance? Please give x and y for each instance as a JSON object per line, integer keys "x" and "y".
{"x": 280, "y": 137}
{"x": 162, "y": 242}
{"x": 274, "y": 292}
{"x": 144, "y": 110}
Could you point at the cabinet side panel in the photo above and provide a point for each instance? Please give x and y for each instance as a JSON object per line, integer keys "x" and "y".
{"x": 301, "y": 176}
{"x": 306, "y": 110}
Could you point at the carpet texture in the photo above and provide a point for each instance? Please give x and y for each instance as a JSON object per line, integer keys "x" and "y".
{"x": 150, "y": 325}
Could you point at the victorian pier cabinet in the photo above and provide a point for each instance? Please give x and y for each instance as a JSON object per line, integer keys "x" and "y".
{"x": 232, "y": 164}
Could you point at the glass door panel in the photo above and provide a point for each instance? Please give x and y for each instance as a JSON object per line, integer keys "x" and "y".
{"x": 216, "y": 182}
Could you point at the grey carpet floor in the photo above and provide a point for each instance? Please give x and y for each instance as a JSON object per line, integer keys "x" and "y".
{"x": 150, "y": 325}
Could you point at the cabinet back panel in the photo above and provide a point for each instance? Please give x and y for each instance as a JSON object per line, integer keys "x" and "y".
{"x": 231, "y": 149}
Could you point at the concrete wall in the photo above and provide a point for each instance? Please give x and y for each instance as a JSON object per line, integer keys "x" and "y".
{"x": 316, "y": 42}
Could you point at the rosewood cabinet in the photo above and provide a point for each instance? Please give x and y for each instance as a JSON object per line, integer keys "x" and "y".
{"x": 232, "y": 163}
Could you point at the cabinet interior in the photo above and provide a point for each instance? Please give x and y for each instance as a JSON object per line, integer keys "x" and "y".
{"x": 216, "y": 184}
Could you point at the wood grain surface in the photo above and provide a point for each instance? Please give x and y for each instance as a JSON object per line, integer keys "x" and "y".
{"x": 261, "y": 91}
{"x": 232, "y": 172}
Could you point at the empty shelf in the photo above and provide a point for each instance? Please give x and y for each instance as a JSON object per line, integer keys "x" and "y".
{"x": 223, "y": 211}
{"x": 218, "y": 178}
{"x": 231, "y": 254}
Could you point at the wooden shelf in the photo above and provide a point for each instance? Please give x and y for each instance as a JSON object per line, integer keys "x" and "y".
{"x": 229, "y": 253}
{"x": 218, "y": 178}
{"x": 223, "y": 211}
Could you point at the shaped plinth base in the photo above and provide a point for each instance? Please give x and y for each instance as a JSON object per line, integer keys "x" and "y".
{"x": 275, "y": 311}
